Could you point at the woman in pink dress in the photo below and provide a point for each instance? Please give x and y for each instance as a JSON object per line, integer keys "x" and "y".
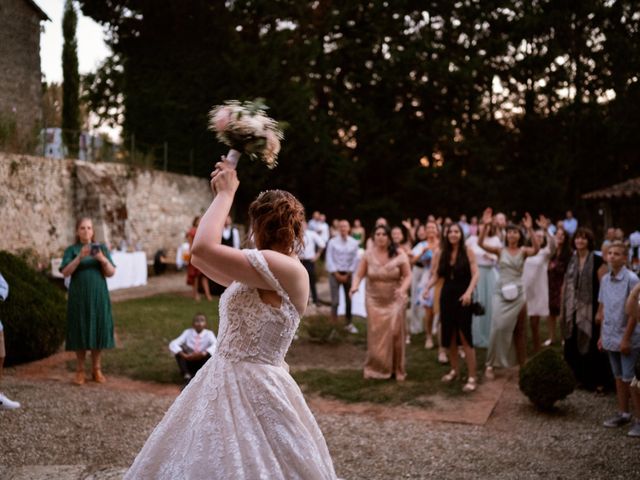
{"x": 388, "y": 278}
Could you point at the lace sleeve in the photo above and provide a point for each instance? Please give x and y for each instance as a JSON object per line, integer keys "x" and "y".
{"x": 259, "y": 263}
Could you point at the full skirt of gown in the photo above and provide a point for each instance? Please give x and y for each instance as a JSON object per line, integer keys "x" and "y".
{"x": 242, "y": 416}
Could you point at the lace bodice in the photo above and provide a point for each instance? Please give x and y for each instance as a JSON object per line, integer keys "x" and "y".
{"x": 251, "y": 330}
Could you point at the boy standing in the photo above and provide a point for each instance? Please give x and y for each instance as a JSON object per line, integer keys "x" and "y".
{"x": 194, "y": 347}
{"x": 619, "y": 334}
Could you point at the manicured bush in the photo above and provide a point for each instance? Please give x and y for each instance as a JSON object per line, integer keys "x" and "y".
{"x": 34, "y": 315}
{"x": 546, "y": 378}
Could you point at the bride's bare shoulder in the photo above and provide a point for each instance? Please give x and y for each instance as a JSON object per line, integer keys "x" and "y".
{"x": 281, "y": 264}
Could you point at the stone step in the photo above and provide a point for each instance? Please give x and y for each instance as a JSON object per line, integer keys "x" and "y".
{"x": 61, "y": 472}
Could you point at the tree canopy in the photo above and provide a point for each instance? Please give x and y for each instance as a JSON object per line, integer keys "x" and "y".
{"x": 393, "y": 108}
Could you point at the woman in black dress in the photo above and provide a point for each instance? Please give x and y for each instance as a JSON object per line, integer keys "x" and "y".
{"x": 456, "y": 264}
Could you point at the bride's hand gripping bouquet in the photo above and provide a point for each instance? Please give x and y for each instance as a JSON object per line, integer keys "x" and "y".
{"x": 246, "y": 128}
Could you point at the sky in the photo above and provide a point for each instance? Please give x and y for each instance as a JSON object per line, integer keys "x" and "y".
{"x": 91, "y": 47}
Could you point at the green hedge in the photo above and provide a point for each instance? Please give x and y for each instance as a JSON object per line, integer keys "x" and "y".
{"x": 546, "y": 378}
{"x": 34, "y": 315}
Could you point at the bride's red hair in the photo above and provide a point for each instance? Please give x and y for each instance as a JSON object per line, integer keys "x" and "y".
{"x": 276, "y": 219}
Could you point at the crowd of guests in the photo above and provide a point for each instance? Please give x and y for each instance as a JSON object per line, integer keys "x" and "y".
{"x": 482, "y": 283}
{"x": 485, "y": 283}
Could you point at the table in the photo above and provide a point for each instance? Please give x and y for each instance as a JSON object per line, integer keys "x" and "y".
{"x": 131, "y": 270}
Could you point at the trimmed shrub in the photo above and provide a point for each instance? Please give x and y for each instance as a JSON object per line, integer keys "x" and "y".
{"x": 34, "y": 315}
{"x": 546, "y": 378}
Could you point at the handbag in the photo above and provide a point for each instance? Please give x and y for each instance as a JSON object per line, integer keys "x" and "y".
{"x": 477, "y": 309}
{"x": 509, "y": 291}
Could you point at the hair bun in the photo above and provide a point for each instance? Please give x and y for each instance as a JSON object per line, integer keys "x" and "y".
{"x": 276, "y": 218}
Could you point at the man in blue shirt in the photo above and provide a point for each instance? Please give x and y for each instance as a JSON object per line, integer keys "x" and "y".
{"x": 570, "y": 223}
{"x": 5, "y": 403}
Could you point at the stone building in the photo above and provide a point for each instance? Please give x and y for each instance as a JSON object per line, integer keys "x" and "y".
{"x": 20, "y": 75}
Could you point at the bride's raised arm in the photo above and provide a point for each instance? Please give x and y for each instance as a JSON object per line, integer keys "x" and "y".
{"x": 224, "y": 264}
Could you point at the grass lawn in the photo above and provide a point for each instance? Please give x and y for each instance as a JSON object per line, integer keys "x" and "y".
{"x": 423, "y": 376}
{"x": 145, "y": 326}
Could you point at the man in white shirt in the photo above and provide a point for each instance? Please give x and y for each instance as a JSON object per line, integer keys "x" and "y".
{"x": 194, "y": 347}
{"x": 341, "y": 262}
{"x": 230, "y": 234}
{"x": 464, "y": 225}
{"x": 312, "y": 249}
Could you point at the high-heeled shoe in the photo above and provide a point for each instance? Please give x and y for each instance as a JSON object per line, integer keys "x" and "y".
{"x": 450, "y": 377}
{"x": 98, "y": 377}
{"x": 470, "y": 386}
{"x": 79, "y": 378}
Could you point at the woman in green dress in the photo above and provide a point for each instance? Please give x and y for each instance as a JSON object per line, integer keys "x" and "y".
{"x": 89, "y": 320}
{"x": 507, "y": 338}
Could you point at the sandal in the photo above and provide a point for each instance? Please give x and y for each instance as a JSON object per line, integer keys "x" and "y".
{"x": 442, "y": 358}
{"x": 470, "y": 386}
{"x": 78, "y": 379}
{"x": 450, "y": 377}
{"x": 488, "y": 373}
{"x": 98, "y": 377}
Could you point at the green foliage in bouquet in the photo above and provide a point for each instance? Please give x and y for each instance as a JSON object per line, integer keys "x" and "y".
{"x": 33, "y": 315}
{"x": 546, "y": 378}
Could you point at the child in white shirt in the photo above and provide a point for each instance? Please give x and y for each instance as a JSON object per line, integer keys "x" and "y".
{"x": 193, "y": 347}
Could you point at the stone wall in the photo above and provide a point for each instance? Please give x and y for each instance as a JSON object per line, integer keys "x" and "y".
{"x": 20, "y": 87}
{"x": 41, "y": 198}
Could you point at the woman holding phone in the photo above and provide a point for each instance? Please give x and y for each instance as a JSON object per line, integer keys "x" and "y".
{"x": 89, "y": 319}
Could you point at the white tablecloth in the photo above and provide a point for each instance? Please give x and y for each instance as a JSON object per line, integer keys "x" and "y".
{"x": 131, "y": 270}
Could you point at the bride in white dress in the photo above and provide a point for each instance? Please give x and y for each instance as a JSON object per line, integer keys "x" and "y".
{"x": 243, "y": 416}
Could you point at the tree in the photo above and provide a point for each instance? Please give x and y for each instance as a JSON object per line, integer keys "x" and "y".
{"x": 394, "y": 108}
{"x": 71, "y": 79}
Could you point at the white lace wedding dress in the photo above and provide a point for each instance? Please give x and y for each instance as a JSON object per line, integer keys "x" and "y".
{"x": 242, "y": 416}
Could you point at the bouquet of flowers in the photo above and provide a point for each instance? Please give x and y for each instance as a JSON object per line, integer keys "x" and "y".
{"x": 246, "y": 128}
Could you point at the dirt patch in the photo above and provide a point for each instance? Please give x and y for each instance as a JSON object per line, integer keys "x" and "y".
{"x": 305, "y": 354}
{"x": 168, "y": 283}
{"x": 55, "y": 368}
{"x": 473, "y": 409}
